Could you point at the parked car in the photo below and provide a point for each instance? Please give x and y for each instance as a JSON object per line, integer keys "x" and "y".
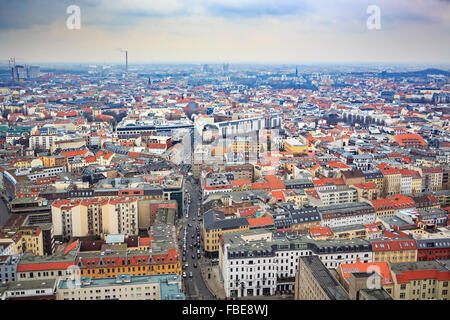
{"x": 195, "y": 265}
{"x": 184, "y": 274}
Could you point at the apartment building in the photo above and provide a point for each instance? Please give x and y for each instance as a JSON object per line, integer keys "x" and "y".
{"x": 30, "y": 290}
{"x": 214, "y": 225}
{"x": 248, "y": 269}
{"x": 433, "y": 249}
{"x": 431, "y": 179}
{"x": 394, "y": 250}
{"x": 346, "y": 214}
{"x": 388, "y": 207}
{"x": 392, "y": 180}
{"x": 315, "y": 282}
{"x": 8, "y": 267}
{"x": 355, "y": 277}
{"x": 250, "y": 265}
{"x": 375, "y": 176}
{"x": 32, "y": 267}
{"x": 80, "y": 218}
{"x": 421, "y": 280}
{"x": 338, "y": 195}
{"x": 367, "y": 190}
{"x": 121, "y": 287}
{"x": 24, "y": 239}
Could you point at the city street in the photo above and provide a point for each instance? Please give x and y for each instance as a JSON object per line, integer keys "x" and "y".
{"x": 195, "y": 287}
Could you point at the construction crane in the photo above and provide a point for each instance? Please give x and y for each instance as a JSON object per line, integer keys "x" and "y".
{"x": 12, "y": 66}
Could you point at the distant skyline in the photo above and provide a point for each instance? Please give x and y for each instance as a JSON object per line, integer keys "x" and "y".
{"x": 234, "y": 31}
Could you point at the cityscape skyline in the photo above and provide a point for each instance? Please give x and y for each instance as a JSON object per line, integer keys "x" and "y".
{"x": 227, "y": 155}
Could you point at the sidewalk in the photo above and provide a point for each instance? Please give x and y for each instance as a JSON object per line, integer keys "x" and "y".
{"x": 214, "y": 284}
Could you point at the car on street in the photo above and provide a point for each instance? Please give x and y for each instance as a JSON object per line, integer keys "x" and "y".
{"x": 184, "y": 274}
{"x": 190, "y": 274}
{"x": 195, "y": 265}
{"x": 193, "y": 256}
{"x": 184, "y": 258}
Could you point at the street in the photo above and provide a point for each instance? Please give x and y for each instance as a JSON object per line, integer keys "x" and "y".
{"x": 195, "y": 287}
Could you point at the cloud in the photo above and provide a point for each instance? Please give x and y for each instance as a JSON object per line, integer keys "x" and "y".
{"x": 228, "y": 30}
{"x": 126, "y": 14}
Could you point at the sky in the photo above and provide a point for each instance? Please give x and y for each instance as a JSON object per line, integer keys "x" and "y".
{"x": 216, "y": 31}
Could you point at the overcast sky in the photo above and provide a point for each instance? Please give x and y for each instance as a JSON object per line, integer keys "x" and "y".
{"x": 276, "y": 31}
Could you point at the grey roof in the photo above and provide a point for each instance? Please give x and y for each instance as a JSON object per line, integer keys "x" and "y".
{"x": 419, "y": 265}
{"x": 433, "y": 243}
{"x": 215, "y": 219}
{"x": 373, "y": 174}
{"x": 347, "y": 228}
{"x": 376, "y": 294}
{"x": 346, "y": 208}
{"x": 299, "y": 215}
{"x": 325, "y": 279}
{"x": 395, "y": 221}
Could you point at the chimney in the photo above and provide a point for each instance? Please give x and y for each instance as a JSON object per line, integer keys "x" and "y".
{"x": 126, "y": 58}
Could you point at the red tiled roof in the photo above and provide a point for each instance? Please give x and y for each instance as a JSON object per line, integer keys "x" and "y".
{"x": 409, "y": 275}
{"x": 44, "y": 266}
{"x": 71, "y": 247}
{"x": 394, "y": 245}
{"x": 382, "y": 268}
{"x": 320, "y": 231}
{"x": 366, "y": 185}
{"x": 397, "y": 202}
{"x": 260, "y": 221}
{"x": 409, "y": 139}
{"x": 74, "y": 153}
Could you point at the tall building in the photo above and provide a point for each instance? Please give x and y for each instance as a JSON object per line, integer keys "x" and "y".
{"x": 19, "y": 73}
{"x": 33, "y": 72}
{"x": 315, "y": 282}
